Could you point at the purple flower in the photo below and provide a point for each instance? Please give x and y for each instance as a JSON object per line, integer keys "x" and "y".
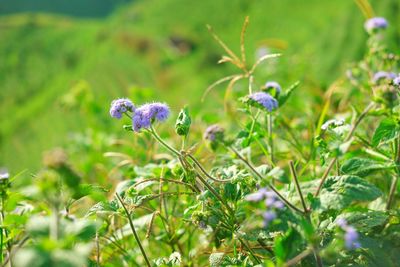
{"x": 341, "y": 222}
{"x": 214, "y": 133}
{"x": 396, "y": 81}
{"x": 265, "y": 100}
{"x": 146, "y": 114}
{"x": 120, "y": 106}
{"x": 350, "y": 235}
{"x": 257, "y": 196}
{"x": 375, "y": 23}
{"x": 4, "y": 174}
{"x": 268, "y": 217}
{"x": 383, "y": 75}
{"x": 279, "y": 205}
{"x": 351, "y": 238}
{"x": 272, "y": 85}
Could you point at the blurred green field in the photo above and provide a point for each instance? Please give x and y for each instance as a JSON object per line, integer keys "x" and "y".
{"x": 51, "y": 63}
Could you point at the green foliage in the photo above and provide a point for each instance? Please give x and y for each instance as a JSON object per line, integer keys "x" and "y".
{"x": 387, "y": 130}
{"x": 339, "y": 192}
{"x": 309, "y": 184}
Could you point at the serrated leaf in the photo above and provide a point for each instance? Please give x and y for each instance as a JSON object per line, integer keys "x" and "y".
{"x": 363, "y": 167}
{"x": 387, "y": 130}
{"x": 339, "y": 192}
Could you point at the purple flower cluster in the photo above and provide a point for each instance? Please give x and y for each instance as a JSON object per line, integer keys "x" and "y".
{"x": 375, "y": 23}
{"x": 271, "y": 202}
{"x": 142, "y": 116}
{"x": 146, "y": 114}
{"x": 272, "y": 85}
{"x": 213, "y": 133}
{"x": 380, "y": 75}
{"x": 265, "y": 100}
{"x": 350, "y": 235}
{"x": 120, "y": 106}
{"x": 396, "y": 81}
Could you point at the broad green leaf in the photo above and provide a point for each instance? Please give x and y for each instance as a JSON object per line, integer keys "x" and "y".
{"x": 387, "y": 130}
{"x": 365, "y": 221}
{"x": 363, "y": 167}
{"x": 339, "y": 192}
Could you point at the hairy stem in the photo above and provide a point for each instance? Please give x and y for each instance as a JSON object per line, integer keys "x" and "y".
{"x": 128, "y": 215}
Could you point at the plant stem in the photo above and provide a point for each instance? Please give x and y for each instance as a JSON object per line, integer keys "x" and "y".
{"x": 290, "y": 205}
{"x": 270, "y": 139}
{"x": 318, "y": 259}
{"x": 296, "y": 181}
{"x": 392, "y": 191}
{"x": 349, "y": 136}
{"x": 324, "y": 176}
{"x": 299, "y": 257}
{"x": 216, "y": 194}
{"x": 203, "y": 170}
{"x": 159, "y": 139}
{"x": 250, "y": 250}
{"x": 133, "y": 230}
{"x": 358, "y": 121}
{"x": 393, "y": 186}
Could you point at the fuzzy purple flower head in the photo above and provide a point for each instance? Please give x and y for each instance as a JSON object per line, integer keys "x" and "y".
{"x": 273, "y": 88}
{"x": 214, "y": 133}
{"x": 265, "y": 100}
{"x": 351, "y": 238}
{"x": 380, "y": 75}
{"x": 268, "y": 217}
{"x": 146, "y": 114}
{"x": 375, "y": 23}
{"x": 120, "y": 106}
{"x": 350, "y": 234}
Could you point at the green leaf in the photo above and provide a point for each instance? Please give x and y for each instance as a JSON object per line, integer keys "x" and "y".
{"x": 285, "y": 96}
{"x": 339, "y": 192}
{"x": 363, "y": 167}
{"x": 387, "y": 130}
{"x": 365, "y": 221}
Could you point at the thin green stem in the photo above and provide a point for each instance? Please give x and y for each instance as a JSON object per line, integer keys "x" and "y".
{"x": 324, "y": 176}
{"x": 247, "y": 163}
{"x": 159, "y": 139}
{"x": 296, "y": 181}
{"x": 250, "y": 251}
{"x": 393, "y": 186}
{"x": 270, "y": 138}
{"x": 134, "y": 230}
{"x": 197, "y": 163}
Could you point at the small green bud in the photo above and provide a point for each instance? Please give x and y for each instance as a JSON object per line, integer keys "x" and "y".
{"x": 183, "y": 122}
